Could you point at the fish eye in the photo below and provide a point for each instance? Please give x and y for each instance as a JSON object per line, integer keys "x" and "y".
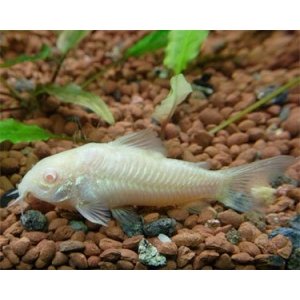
{"x": 50, "y": 176}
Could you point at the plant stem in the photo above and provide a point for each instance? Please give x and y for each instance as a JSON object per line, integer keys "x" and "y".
{"x": 292, "y": 83}
{"x": 58, "y": 67}
{"x": 12, "y": 91}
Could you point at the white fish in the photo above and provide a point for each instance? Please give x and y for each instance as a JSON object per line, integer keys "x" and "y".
{"x": 133, "y": 170}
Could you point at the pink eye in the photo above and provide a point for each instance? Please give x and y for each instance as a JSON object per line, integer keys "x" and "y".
{"x": 50, "y": 176}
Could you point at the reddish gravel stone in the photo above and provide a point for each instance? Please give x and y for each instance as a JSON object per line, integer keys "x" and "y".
{"x": 107, "y": 243}
{"x": 230, "y": 217}
{"x": 189, "y": 239}
{"x": 219, "y": 243}
{"x": 78, "y": 260}
{"x": 237, "y": 139}
{"x": 242, "y": 258}
{"x": 184, "y": 255}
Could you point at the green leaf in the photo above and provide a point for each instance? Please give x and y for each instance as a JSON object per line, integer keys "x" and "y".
{"x": 69, "y": 39}
{"x": 42, "y": 54}
{"x": 180, "y": 89}
{"x": 183, "y": 46}
{"x": 17, "y": 132}
{"x": 73, "y": 93}
{"x": 149, "y": 43}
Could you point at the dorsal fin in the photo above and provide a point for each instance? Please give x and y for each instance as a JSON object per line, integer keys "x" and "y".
{"x": 145, "y": 139}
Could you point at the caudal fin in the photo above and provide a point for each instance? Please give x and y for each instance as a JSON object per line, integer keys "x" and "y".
{"x": 246, "y": 187}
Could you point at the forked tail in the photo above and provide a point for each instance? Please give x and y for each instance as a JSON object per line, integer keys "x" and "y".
{"x": 246, "y": 187}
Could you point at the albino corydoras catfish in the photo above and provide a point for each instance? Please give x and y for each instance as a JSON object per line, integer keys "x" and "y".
{"x": 100, "y": 179}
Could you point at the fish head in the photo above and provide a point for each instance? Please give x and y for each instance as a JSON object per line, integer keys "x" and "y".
{"x": 49, "y": 180}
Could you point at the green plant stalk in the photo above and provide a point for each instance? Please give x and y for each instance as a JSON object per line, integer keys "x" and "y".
{"x": 292, "y": 83}
{"x": 59, "y": 65}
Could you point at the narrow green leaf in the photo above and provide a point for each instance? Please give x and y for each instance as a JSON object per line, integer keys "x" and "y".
{"x": 183, "y": 46}
{"x": 149, "y": 43}
{"x": 42, "y": 54}
{"x": 180, "y": 89}
{"x": 17, "y": 132}
{"x": 69, "y": 39}
{"x": 73, "y": 93}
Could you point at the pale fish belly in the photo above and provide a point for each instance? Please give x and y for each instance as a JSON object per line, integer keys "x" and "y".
{"x": 154, "y": 182}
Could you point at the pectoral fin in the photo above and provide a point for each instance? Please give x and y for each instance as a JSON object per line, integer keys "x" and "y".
{"x": 94, "y": 212}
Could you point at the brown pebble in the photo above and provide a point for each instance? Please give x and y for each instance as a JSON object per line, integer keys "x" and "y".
{"x": 68, "y": 246}
{"x": 224, "y": 262}
{"x": 20, "y": 246}
{"x": 8, "y": 252}
{"x": 54, "y": 224}
{"x": 110, "y": 254}
{"x": 47, "y": 250}
{"x": 63, "y": 233}
{"x": 3, "y": 241}
{"x": 106, "y": 265}
{"x": 292, "y": 124}
{"x": 230, "y": 217}
{"x": 107, "y": 243}
{"x": 91, "y": 249}
{"x": 246, "y": 124}
{"x": 78, "y": 260}
{"x": 132, "y": 242}
{"x": 179, "y": 214}
{"x": 171, "y": 131}
{"x": 128, "y": 255}
{"x": 24, "y": 266}
{"x": 249, "y": 248}
{"x": 42, "y": 149}
{"x": 237, "y": 139}
{"x": 31, "y": 255}
{"x": 5, "y": 183}
{"x": 207, "y": 214}
{"x": 165, "y": 248}
{"x": 115, "y": 233}
{"x": 124, "y": 265}
{"x": 35, "y": 236}
{"x": 184, "y": 256}
{"x": 242, "y": 258}
{"x": 188, "y": 239}
{"x": 5, "y": 264}
{"x": 9, "y": 166}
{"x": 93, "y": 261}
{"x": 248, "y": 231}
{"x": 59, "y": 259}
{"x": 210, "y": 116}
{"x": 79, "y": 236}
{"x": 151, "y": 217}
{"x": 219, "y": 243}
{"x": 191, "y": 221}
{"x": 204, "y": 258}
{"x": 269, "y": 151}
{"x": 202, "y": 138}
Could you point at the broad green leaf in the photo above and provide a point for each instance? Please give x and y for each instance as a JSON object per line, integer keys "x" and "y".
{"x": 73, "y": 93}
{"x": 17, "y": 132}
{"x": 183, "y": 46}
{"x": 149, "y": 43}
{"x": 180, "y": 89}
{"x": 69, "y": 39}
{"x": 42, "y": 54}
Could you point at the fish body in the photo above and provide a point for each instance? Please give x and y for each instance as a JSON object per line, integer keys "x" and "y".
{"x": 134, "y": 171}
